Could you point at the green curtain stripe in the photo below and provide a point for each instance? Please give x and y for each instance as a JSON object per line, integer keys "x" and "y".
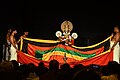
{"x": 38, "y": 52}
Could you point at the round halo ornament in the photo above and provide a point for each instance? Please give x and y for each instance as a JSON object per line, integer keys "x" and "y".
{"x": 74, "y": 35}
{"x": 66, "y": 26}
{"x": 58, "y": 33}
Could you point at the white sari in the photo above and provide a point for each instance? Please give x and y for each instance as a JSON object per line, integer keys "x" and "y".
{"x": 116, "y": 51}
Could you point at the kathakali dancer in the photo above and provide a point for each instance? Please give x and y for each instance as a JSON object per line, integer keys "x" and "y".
{"x": 66, "y": 27}
{"x": 115, "y": 44}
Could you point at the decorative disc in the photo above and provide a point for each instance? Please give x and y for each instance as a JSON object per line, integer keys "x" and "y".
{"x": 68, "y": 25}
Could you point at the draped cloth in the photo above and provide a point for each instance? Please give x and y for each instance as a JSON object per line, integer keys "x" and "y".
{"x": 13, "y": 53}
{"x": 116, "y": 52}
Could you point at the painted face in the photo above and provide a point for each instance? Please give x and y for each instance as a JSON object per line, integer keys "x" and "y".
{"x": 66, "y": 28}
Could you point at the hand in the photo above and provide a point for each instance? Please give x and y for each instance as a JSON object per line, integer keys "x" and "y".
{"x": 17, "y": 50}
{"x": 112, "y": 34}
{"x": 112, "y": 48}
{"x": 21, "y": 36}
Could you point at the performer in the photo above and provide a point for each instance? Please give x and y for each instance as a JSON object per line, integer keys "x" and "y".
{"x": 25, "y": 35}
{"x": 14, "y": 46}
{"x": 8, "y": 36}
{"x": 115, "y": 44}
{"x": 66, "y": 27}
{"x": 6, "y": 47}
{"x": 68, "y": 39}
{"x": 8, "y": 44}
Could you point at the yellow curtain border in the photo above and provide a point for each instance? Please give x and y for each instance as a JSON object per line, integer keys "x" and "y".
{"x": 43, "y": 41}
{"x": 21, "y": 44}
{"x": 109, "y": 38}
{"x": 55, "y": 41}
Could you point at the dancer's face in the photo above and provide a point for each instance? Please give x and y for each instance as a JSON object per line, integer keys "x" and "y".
{"x": 15, "y": 32}
{"x": 26, "y": 33}
{"x": 9, "y": 30}
{"x": 66, "y": 28}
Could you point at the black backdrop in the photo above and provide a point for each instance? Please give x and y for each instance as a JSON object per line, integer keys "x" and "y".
{"x": 92, "y": 21}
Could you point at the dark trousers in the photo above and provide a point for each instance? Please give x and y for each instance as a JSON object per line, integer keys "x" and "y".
{"x": 6, "y": 52}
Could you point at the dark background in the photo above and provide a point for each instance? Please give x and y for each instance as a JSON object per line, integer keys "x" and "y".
{"x": 93, "y": 22}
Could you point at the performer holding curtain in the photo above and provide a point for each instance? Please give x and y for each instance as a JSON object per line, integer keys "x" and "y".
{"x": 14, "y": 46}
{"x": 6, "y": 47}
{"x": 115, "y": 44}
{"x": 25, "y": 35}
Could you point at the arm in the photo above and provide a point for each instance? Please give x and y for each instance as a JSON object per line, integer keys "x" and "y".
{"x": 20, "y": 39}
{"x": 117, "y": 37}
{"x": 112, "y": 36}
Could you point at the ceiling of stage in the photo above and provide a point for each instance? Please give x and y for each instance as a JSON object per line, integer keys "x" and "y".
{"x": 92, "y": 23}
